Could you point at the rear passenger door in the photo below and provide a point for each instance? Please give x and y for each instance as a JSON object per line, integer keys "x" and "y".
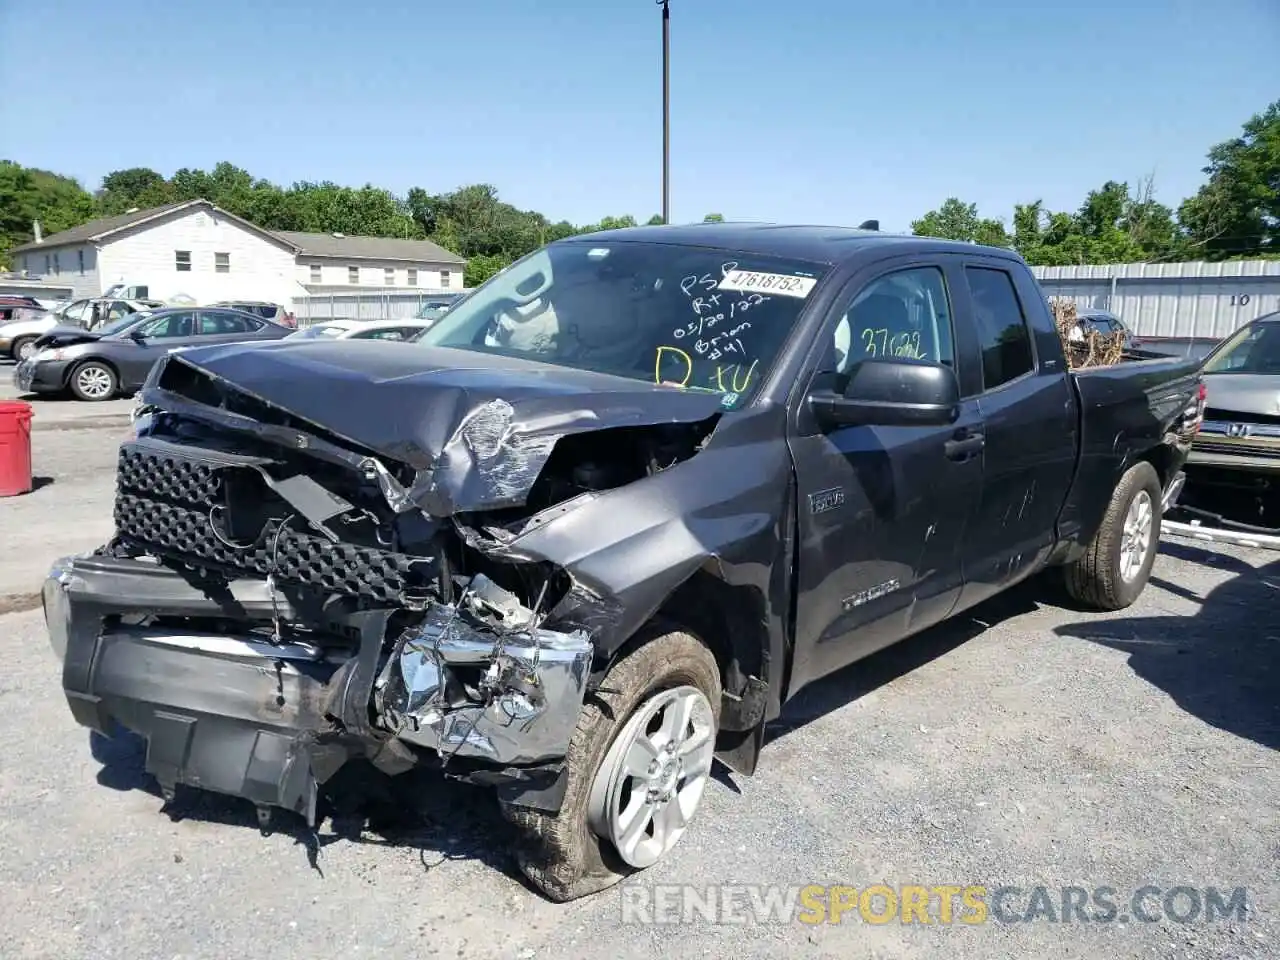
{"x": 225, "y": 326}
{"x": 1028, "y": 417}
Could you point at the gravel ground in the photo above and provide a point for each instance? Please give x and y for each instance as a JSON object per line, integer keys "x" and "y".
{"x": 1029, "y": 744}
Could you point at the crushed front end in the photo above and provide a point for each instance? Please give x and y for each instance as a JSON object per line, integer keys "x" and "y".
{"x": 276, "y": 602}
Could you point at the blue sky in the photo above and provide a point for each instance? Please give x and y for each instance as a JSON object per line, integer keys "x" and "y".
{"x": 828, "y": 111}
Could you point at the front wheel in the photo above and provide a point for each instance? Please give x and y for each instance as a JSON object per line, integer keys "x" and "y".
{"x": 1117, "y": 564}
{"x": 93, "y": 381}
{"x": 638, "y": 766}
{"x": 23, "y": 348}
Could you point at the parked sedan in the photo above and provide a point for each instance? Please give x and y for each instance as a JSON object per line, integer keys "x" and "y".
{"x": 99, "y": 364}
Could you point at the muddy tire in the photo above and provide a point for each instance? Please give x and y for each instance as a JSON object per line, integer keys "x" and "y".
{"x": 21, "y": 348}
{"x": 93, "y": 381}
{"x": 569, "y": 854}
{"x": 1115, "y": 568}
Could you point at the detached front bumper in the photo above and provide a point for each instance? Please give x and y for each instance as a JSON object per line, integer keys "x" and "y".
{"x": 242, "y": 716}
{"x": 47, "y": 376}
{"x": 217, "y": 712}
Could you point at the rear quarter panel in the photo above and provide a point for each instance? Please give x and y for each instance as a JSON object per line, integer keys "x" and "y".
{"x": 1130, "y": 411}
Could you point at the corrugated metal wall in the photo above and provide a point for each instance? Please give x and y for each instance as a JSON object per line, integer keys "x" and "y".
{"x": 368, "y": 305}
{"x": 1194, "y": 299}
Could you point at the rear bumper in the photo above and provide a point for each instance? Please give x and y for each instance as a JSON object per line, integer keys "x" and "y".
{"x": 241, "y": 716}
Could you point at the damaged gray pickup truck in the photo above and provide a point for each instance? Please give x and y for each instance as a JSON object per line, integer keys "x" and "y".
{"x": 617, "y": 507}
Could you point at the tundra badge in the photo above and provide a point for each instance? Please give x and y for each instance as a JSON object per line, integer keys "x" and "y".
{"x": 825, "y": 500}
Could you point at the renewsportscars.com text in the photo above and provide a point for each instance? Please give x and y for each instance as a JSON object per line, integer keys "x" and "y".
{"x": 941, "y": 904}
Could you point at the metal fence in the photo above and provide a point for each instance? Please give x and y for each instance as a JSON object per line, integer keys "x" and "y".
{"x": 366, "y": 305}
{"x": 1173, "y": 300}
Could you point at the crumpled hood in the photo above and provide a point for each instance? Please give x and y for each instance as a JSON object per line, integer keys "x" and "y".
{"x": 478, "y": 428}
{"x": 1248, "y": 393}
{"x": 65, "y": 335}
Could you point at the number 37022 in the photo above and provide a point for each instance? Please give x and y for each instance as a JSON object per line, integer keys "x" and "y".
{"x": 878, "y": 343}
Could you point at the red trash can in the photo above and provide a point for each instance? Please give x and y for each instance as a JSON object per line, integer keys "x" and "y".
{"x": 15, "y": 448}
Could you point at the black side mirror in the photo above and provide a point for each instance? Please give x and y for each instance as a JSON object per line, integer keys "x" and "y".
{"x": 137, "y": 336}
{"x": 891, "y": 392}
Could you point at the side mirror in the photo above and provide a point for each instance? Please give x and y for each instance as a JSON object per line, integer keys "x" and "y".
{"x": 891, "y": 392}
{"x": 137, "y": 336}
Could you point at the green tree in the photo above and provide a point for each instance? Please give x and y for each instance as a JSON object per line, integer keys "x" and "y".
{"x": 957, "y": 220}
{"x": 28, "y": 194}
{"x": 656, "y": 220}
{"x": 713, "y": 218}
{"x": 1237, "y": 212}
{"x": 140, "y": 187}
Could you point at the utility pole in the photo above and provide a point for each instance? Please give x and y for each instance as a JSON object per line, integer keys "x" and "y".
{"x": 666, "y": 110}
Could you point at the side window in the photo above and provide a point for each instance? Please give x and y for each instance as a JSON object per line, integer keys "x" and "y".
{"x": 902, "y": 314}
{"x": 214, "y": 322}
{"x": 77, "y": 312}
{"x": 1003, "y": 336}
{"x": 171, "y": 325}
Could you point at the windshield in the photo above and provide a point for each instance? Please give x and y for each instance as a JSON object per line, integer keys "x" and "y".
{"x": 676, "y": 315}
{"x": 1252, "y": 349}
{"x": 123, "y": 323}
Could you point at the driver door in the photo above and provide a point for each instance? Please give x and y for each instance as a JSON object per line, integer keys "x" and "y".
{"x": 882, "y": 510}
{"x": 157, "y": 337}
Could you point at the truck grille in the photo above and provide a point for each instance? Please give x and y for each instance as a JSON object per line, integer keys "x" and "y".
{"x": 167, "y": 504}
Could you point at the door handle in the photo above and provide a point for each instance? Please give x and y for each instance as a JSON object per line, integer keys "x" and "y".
{"x": 965, "y": 444}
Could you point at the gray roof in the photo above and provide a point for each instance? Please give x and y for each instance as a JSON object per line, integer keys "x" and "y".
{"x": 817, "y": 244}
{"x": 369, "y": 248}
{"x": 315, "y": 244}
{"x": 97, "y": 228}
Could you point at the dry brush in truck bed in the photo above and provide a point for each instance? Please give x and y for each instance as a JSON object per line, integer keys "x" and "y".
{"x": 1092, "y": 348}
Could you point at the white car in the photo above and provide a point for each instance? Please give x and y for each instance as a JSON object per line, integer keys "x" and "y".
{"x": 18, "y": 335}
{"x": 407, "y": 329}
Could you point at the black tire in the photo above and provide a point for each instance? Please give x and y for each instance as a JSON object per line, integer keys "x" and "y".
{"x": 1095, "y": 579}
{"x": 100, "y": 373}
{"x": 560, "y": 853}
{"x": 18, "y": 345}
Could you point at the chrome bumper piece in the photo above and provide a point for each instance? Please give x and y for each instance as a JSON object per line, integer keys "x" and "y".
{"x": 1197, "y": 531}
{"x": 530, "y": 683}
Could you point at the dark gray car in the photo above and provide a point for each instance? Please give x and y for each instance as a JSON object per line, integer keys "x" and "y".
{"x": 99, "y": 364}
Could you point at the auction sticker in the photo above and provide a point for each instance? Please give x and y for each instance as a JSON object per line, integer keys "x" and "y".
{"x": 748, "y": 281}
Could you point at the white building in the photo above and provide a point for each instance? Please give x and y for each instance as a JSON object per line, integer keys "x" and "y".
{"x": 199, "y": 251}
{"x": 337, "y": 263}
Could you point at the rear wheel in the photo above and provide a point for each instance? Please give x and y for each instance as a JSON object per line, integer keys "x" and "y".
{"x": 23, "y": 348}
{"x": 638, "y": 766}
{"x": 1115, "y": 568}
{"x": 93, "y": 380}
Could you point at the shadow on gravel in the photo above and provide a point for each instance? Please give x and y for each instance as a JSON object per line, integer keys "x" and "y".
{"x": 1221, "y": 665}
{"x": 858, "y": 679}
{"x": 420, "y": 810}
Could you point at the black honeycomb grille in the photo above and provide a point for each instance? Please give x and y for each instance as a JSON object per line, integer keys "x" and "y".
{"x": 167, "y": 505}
{"x": 169, "y": 477}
